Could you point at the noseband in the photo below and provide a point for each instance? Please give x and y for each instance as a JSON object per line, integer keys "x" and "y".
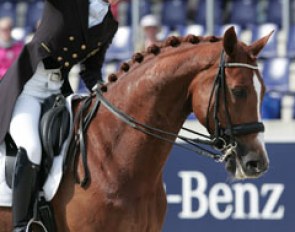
{"x": 223, "y": 138}
{"x": 226, "y": 136}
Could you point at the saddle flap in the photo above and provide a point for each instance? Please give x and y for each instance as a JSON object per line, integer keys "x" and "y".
{"x": 54, "y": 129}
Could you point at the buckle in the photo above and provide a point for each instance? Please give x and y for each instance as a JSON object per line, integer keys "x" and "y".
{"x": 55, "y": 76}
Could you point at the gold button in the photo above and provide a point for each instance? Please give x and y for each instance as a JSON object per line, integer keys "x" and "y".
{"x": 83, "y": 46}
{"x": 59, "y": 58}
{"x": 71, "y": 38}
{"x": 67, "y": 64}
{"x": 65, "y": 49}
{"x": 75, "y": 55}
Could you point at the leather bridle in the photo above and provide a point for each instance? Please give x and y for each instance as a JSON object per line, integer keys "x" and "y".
{"x": 223, "y": 139}
{"x": 226, "y": 136}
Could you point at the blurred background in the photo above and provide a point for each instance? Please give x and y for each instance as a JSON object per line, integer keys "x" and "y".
{"x": 200, "y": 195}
{"x": 146, "y": 21}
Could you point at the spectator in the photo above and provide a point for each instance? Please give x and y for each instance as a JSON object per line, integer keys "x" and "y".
{"x": 115, "y": 10}
{"x": 151, "y": 27}
{"x": 9, "y": 48}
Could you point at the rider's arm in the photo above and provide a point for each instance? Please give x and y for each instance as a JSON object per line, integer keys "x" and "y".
{"x": 91, "y": 68}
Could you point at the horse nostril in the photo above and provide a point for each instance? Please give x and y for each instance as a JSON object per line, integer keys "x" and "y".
{"x": 254, "y": 166}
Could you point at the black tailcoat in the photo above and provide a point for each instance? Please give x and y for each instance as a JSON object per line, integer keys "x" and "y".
{"x": 62, "y": 40}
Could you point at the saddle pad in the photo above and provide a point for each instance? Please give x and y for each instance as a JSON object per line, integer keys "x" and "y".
{"x": 54, "y": 178}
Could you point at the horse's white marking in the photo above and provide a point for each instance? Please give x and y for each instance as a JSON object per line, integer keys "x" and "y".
{"x": 240, "y": 174}
{"x": 258, "y": 87}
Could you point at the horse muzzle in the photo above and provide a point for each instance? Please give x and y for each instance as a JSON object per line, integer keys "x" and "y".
{"x": 243, "y": 163}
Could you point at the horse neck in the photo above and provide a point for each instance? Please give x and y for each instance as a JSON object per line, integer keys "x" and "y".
{"x": 154, "y": 93}
{"x": 157, "y": 91}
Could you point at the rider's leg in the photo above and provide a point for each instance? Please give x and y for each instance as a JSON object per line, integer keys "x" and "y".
{"x": 24, "y": 126}
{"x": 24, "y": 130}
{"x": 24, "y": 191}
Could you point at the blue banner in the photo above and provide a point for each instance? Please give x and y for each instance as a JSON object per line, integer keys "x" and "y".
{"x": 201, "y": 196}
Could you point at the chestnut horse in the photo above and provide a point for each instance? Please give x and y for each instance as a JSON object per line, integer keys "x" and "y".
{"x": 160, "y": 88}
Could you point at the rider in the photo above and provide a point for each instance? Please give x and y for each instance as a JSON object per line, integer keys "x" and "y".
{"x": 70, "y": 32}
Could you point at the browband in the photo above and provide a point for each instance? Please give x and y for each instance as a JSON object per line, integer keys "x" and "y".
{"x": 239, "y": 65}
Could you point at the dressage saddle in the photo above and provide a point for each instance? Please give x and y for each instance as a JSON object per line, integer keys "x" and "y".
{"x": 54, "y": 129}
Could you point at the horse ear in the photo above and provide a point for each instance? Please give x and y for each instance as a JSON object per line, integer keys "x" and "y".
{"x": 258, "y": 45}
{"x": 230, "y": 41}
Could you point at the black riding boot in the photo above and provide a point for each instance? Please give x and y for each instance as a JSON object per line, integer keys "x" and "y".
{"x": 24, "y": 191}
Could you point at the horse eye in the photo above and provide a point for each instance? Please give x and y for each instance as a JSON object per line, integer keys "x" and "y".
{"x": 239, "y": 93}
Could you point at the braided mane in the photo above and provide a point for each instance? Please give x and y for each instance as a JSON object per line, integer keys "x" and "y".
{"x": 155, "y": 49}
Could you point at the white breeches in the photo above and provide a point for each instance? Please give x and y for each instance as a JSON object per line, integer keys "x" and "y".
{"x": 24, "y": 126}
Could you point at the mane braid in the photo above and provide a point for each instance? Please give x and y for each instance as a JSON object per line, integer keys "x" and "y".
{"x": 155, "y": 49}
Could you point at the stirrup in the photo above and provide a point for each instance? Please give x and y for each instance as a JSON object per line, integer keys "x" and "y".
{"x": 35, "y": 222}
{"x": 27, "y": 228}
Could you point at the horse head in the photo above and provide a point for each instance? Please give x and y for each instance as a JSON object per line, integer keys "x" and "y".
{"x": 233, "y": 99}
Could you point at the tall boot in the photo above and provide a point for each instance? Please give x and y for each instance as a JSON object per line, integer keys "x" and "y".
{"x": 24, "y": 191}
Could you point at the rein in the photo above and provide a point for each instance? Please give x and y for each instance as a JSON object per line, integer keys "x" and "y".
{"x": 222, "y": 140}
{"x": 158, "y": 133}
{"x": 219, "y": 140}
{"x": 82, "y": 119}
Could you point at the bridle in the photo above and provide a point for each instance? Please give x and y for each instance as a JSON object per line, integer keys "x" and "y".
{"x": 225, "y": 137}
{"x": 222, "y": 139}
